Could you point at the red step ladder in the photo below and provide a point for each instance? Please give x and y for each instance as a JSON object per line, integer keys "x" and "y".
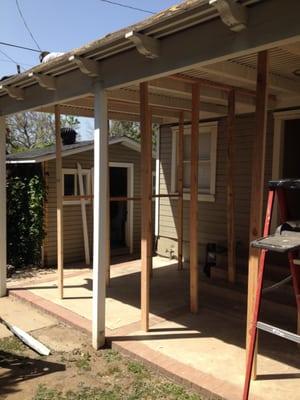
{"x": 285, "y": 240}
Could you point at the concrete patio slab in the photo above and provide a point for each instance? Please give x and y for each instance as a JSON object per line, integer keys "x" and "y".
{"x": 205, "y": 351}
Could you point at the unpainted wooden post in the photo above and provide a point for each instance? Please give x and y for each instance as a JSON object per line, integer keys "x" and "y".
{"x": 101, "y": 216}
{"x": 180, "y": 144}
{"x": 257, "y": 185}
{"x": 194, "y": 199}
{"x": 2, "y": 207}
{"x": 231, "y": 239}
{"x": 59, "y": 204}
{"x": 146, "y": 203}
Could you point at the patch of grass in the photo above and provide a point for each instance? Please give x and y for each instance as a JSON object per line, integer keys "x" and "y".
{"x": 12, "y": 345}
{"x": 85, "y": 393}
{"x": 177, "y": 392}
{"x": 84, "y": 362}
{"x": 137, "y": 369}
{"x": 111, "y": 356}
{"x": 44, "y": 393}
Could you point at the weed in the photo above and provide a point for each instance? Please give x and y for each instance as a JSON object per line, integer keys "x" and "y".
{"x": 111, "y": 356}
{"x": 12, "y": 345}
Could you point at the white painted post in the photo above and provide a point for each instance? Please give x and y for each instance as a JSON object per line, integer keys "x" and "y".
{"x": 2, "y": 207}
{"x": 101, "y": 216}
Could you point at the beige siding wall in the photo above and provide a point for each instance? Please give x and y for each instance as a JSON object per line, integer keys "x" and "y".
{"x": 73, "y": 236}
{"x": 212, "y": 215}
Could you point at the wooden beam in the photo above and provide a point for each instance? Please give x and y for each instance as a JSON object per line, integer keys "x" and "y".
{"x": 233, "y": 14}
{"x": 247, "y": 75}
{"x": 180, "y": 145}
{"x": 59, "y": 204}
{"x": 101, "y": 216}
{"x": 146, "y": 186}
{"x": 231, "y": 240}
{"x": 194, "y": 199}
{"x": 86, "y": 65}
{"x": 257, "y": 184}
{"x": 2, "y": 207}
{"x": 14, "y": 92}
{"x": 145, "y": 45}
{"x": 45, "y": 81}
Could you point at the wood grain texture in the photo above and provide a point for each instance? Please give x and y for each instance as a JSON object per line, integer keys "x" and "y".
{"x": 231, "y": 237}
{"x": 257, "y": 185}
{"x": 146, "y": 203}
{"x": 194, "y": 199}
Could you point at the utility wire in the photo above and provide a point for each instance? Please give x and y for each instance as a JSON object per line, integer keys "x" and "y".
{"x": 8, "y": 57}
{"x": 26, "y": 26}
{"x": 114, "y": 3}
{"x": 19, "y": 47}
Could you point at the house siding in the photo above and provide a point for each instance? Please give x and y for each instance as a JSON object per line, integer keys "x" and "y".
{"x": 212, "y": 225}
{"x": 73, "y": 235}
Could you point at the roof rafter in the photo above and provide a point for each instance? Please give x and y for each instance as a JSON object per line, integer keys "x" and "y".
{"x": 145, "y": 45}
{"x": 13, "y": 92}
{"x": 45, "y": 81}
{"x": 247, "y": 75}
{"x": 86, "y": 65}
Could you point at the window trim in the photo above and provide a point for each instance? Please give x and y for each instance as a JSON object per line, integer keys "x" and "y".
{"x": 74, "y": 171}
{"x": 207, "y": 197}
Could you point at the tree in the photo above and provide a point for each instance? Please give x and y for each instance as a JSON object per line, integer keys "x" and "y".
{"x": 34, "y": 130}
{"x": 131, "y": 129}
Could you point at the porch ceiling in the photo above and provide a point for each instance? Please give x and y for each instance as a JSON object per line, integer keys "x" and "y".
{"x": 113, "y": 59}
{"x": 169, "y": 96}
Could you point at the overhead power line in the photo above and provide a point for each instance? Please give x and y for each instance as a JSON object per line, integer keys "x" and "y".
{"x": 19, "y": 46}
{"x": 26, "y": 25}
{"x": 114, "y": 3}
{"x": 8, "y": 57}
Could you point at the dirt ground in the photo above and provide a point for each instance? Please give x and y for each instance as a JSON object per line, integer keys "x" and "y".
{"x": 74, "y": 371}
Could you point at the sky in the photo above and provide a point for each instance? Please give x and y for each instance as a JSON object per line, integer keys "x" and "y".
{"x": 62, "y": 25}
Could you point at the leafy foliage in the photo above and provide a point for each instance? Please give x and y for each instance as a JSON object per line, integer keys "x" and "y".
{"x": 131, "y": 129}
{"x": 25, "y": 233}
{"x": 34, "y": 130}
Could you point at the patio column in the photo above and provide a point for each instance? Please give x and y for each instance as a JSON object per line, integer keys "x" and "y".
{"x": 146, "y": 203}
{"x": 2, "y": 207}
{"x": 59, "y": 204}
{"x": 101, "y": 216}
{"x": 257, "y": 185}
{"x": 180, "y": 144}
{"x": 194, "y": 199}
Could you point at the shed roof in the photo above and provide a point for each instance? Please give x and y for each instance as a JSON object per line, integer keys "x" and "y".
{"x": 49, "y": 152}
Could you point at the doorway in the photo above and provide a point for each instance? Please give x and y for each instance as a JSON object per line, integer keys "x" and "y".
{"x": 121, "y": 184}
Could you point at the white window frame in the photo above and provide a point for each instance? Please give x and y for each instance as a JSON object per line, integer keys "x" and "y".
{"x": 213, "y": 127}
{"x": 74, "y": 171}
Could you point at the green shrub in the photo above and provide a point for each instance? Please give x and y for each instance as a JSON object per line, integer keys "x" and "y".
{"x": 25, "y": 232}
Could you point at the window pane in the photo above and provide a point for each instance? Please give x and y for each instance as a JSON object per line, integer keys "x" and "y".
{"x": 187, "y": 147}
{"x": 204, "y": 177}
{"x": 204, "y": 146}
{"x": 69, "y": 184}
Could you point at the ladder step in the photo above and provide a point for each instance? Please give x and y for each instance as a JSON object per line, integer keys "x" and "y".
{"x": 278, "y": 332}
{"x": 278, "y": 243}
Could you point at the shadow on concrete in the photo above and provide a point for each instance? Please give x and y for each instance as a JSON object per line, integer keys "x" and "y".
{"x": 219, "y": 317}
{"x": 15, "y": 369}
